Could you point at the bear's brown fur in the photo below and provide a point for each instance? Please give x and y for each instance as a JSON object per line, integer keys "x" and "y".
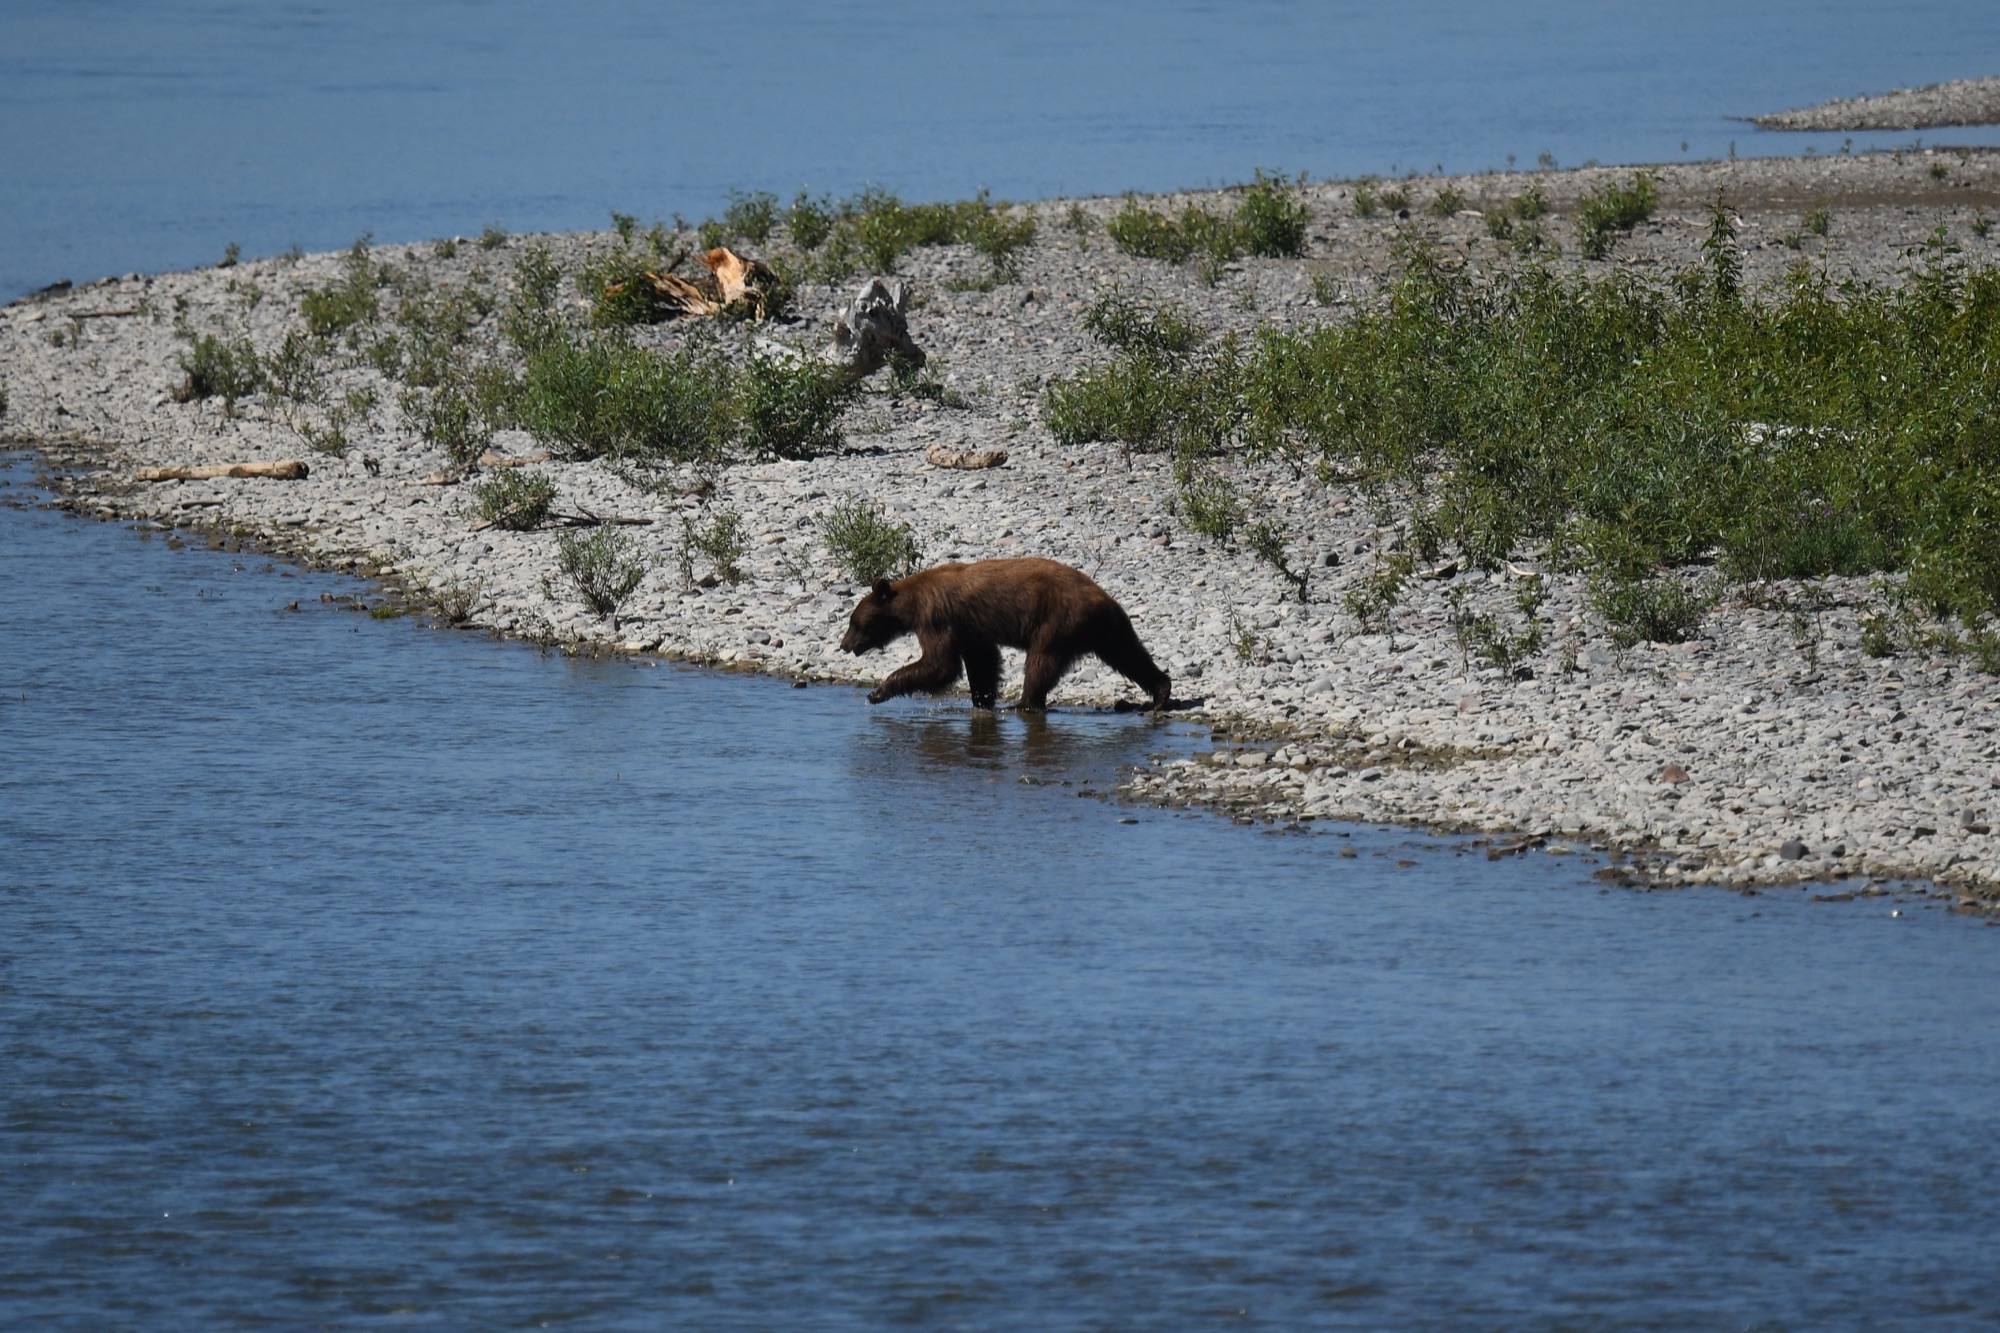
{"x": 963, "y": 615}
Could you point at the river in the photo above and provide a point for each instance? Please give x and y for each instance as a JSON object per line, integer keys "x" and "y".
{"x": 352, "y": 968}
{"x": 149, "y": 136}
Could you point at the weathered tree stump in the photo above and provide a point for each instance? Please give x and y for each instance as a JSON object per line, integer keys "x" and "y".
{"x": 872, "y": 329}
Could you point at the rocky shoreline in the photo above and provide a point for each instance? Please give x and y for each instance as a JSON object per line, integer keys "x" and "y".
{"x": 1770, "y": 750}
{"x": 1933, "y": 106}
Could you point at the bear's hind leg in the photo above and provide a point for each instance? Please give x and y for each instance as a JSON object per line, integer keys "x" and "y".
{"x": 982, "y": 672}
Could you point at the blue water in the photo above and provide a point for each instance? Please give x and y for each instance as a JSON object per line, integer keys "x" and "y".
{"x": 353, "y": 971}
{"x": 356, "y": 972}
{"x": 149, "y": 135}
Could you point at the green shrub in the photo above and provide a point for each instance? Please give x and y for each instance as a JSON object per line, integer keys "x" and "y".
{"x": 1515, "y": 221}
{"x": 516, "y": 500}
{"x": 1250, "y": 647}
{"x": 1000, "y": 235}
{"x": 1373, "y": 599}
{"x": 1813, "y": 541}
{"x": 751, "y": 216}
{"x": 604, "y": 398}
{"x": 531, "y": 321}
{"x": 1144, "y": 234}
{"x": 347, "y": 303}
{"x": 1196, "y": 232}
{"x": 619, "y": 286}
{"x": 791, "y": 407}
{"x": 864, "y": 543}
{"x": 908, "y": 379}
{"x": 1266, "y": 540}
{"x": 874, "y": 229}
{"x": 602, "y": 565}
{"x": 452, "y": 602}
{"x": 1659, "y": 609}
{"x": 1602, "y": 214}
{"x": 721, "y": 541}
{"x": 1168, "y": 391}
{"x": 1495, "y": 643}
{"x": 1078, "y": 222}
{"x": 1272, "y": 218}
{"x": 1208, "y": 504}
{"x": 493, "y": 237}
{"x": 809, "y": 220}
{"x": 1129, "y": 326}
{"x": 215, "y": 368}
{"x": 1446, "y": 202}
{"x": 437, "y": 327}
{"x": 1820, "y": 427}
{"x": 1271, "y": 221}
{"x": 448, "y": 417}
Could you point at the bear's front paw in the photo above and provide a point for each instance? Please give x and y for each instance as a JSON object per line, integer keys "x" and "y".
{"x": 879, "y": 696}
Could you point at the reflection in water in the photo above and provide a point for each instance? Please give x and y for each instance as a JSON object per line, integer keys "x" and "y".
{"x": 1073, "y": 742}
{"x": 416, "y": 976}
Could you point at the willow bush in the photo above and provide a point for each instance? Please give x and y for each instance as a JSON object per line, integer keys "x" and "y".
{"x": 1814, "y": 427}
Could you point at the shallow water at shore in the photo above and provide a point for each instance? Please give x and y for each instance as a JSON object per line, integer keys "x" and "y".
{"x": 149, "y": 136}
{"x": 352, "y": 968}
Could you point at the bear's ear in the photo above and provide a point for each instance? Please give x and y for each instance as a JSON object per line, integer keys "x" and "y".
{"x": 884, "y": 590}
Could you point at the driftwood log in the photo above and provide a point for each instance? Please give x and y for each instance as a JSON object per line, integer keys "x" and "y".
{"x": 872, "y": 329}
{"x": 939, "y": 456}
{"x": 289, "y": 470}
{"x": 733, "y": 281}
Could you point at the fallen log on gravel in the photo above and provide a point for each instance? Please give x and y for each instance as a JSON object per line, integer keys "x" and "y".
{"x": 733, "y": 284}
{"x": 290, "y": 469}
{"x": 939, "y": 456}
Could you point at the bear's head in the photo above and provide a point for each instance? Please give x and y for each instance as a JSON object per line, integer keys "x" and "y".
{"x": 877, "y": 622}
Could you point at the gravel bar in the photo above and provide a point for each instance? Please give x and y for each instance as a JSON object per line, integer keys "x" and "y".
{"x": 1960, "y": 102}
{"x": 1739, "y": 759}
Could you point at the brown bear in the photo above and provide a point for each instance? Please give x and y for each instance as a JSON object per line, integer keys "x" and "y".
{"x": 963, "y": 615}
